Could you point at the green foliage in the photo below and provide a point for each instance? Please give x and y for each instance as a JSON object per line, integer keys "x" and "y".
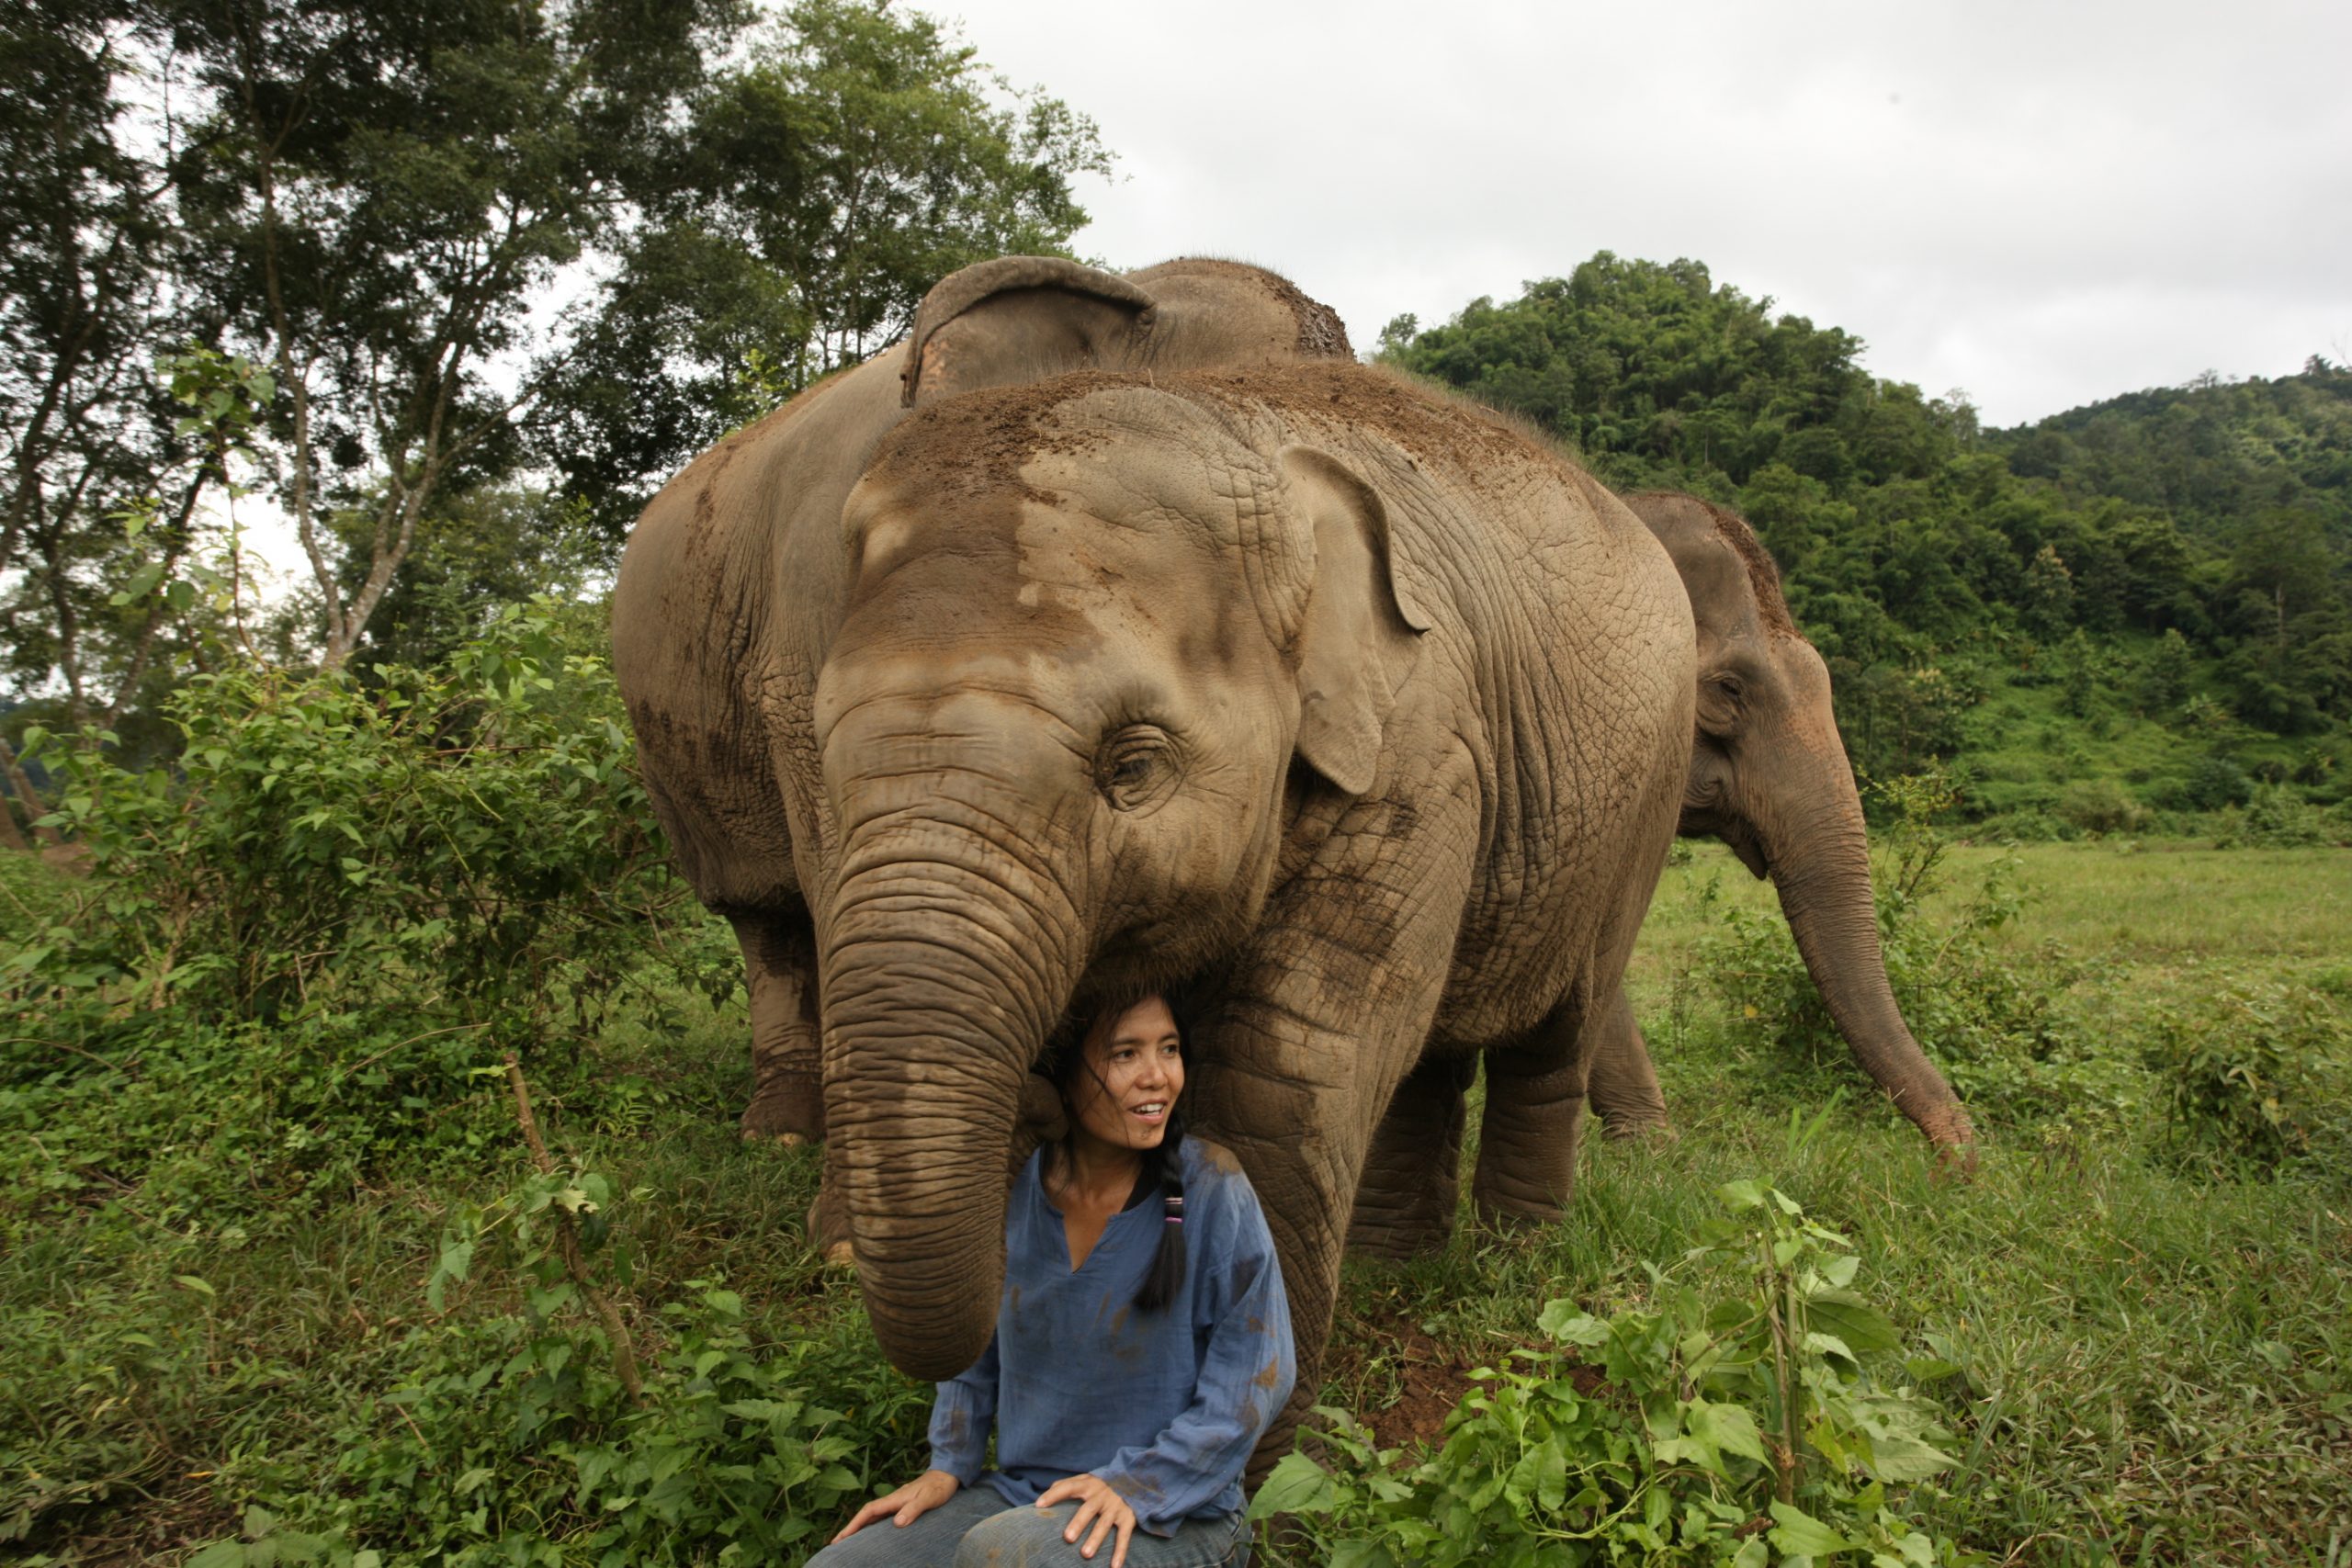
{"x": 467, "y": 844}
{"x": 1917, "y": 549}
{"x": 1742, "y": 1417}
{"x": 858, "y": 155}
{"x": 512, "y": 1437}
{"x": 2257, "y": 1079}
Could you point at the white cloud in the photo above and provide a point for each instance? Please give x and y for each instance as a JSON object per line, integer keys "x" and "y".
{"x": 2045, "y": 204}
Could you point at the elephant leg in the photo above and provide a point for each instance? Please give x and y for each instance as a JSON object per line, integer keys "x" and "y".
{"x": 1622, "y": 1085}
{"x": 1405, "y": 1202}
{"x": 780, "y": 970}
{"x": 788, "y": 1080}
{"x": 1533, "y": 1122}
{"x": 1322, "y": 1016}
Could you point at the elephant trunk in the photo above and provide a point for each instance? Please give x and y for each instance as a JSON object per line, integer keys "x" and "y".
{"x": 947, "y": 961}
{"x": 1825, "y": 890}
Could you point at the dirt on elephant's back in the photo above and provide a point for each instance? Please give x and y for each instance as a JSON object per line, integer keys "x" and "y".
{"x": 1434, "y": 428}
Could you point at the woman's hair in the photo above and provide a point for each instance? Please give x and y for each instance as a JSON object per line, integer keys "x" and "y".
{"x": 1163, "y": 1166}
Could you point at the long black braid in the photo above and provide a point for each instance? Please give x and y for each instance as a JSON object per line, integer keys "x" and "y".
{"x": 1163, "y": 1163}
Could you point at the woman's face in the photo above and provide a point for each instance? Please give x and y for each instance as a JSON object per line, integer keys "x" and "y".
{"x": 1128, "y": 1077}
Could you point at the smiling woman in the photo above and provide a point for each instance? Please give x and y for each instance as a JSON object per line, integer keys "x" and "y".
{"x": 1141, "y": 1346}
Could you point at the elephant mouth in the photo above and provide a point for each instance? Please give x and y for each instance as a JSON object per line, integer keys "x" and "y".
{"x": 1731, "y": 830}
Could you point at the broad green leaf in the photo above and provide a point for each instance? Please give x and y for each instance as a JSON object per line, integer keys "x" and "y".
{"x": 1799, "y": 1534}
{"x": 1298, "y": 1485}
{"x": 1853, "y": 1320}
{"x": 1731, "y": 1427}
{"x": 1907, "y": 1459}
{"x": 1742, "y": 1195}
{"x": 1569, "y": 1323}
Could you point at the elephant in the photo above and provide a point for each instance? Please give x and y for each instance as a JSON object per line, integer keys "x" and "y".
{"x": 1769, "y": 777}
{"x": 721, "y": 615}
{"x": 1355, "y": 711}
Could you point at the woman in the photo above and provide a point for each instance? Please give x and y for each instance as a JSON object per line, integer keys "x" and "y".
{"x": 1142, "y": 1343}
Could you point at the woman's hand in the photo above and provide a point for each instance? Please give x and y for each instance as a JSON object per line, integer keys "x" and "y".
{"x": 1098, "y": 1502}
{"x": 908, "y": 1504}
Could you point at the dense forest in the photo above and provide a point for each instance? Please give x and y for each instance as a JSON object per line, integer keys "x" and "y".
{"x": 452, "y": 297}
{"x": 2099, "y": 622}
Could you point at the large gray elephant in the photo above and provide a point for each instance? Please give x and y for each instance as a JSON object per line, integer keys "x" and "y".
{"x": 1360, "y": 712}
{"x": 1768, "y": 777}
{"x": 722, "y": 615}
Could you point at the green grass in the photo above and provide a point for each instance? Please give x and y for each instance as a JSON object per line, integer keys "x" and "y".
{"x": 2157, "y": 1367}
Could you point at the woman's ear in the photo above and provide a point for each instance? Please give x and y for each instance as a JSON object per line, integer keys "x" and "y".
{"x": 1359, "y": 635}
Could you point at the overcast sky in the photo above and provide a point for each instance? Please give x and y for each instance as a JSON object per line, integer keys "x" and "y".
{"x": 2044, "y": 204}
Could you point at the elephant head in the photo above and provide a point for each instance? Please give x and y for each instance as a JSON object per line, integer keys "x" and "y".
{"x": 1090, "y": 634}
{"x": 1769, "y": 777}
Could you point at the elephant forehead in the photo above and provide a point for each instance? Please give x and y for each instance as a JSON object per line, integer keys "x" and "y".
{"x": 1126, "y": 542}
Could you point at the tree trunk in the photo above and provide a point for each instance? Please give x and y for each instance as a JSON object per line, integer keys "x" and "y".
{"x": 28, "y": 797}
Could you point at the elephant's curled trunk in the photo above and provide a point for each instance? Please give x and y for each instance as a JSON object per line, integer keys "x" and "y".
{"x": 943, "y": 973}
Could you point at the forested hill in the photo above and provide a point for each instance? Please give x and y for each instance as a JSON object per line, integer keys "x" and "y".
{"x": 2134, "y": 609}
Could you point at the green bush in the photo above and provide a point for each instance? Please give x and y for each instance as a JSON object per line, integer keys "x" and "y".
{"x": 2257, "y": 1079}
{"x": 532, "y": 1436}
{"x": 2101, "y": 805}
{"x": 1747, "y": 1417}
{"x": 466, "y": 846}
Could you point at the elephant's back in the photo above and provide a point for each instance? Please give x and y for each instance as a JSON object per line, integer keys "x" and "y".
{"x": 726, "y": 590}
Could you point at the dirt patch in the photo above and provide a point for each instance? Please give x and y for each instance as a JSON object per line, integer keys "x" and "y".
{"x": 1431, "y": 1378}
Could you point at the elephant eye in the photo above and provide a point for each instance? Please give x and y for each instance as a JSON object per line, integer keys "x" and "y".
{"x": 1135, "y": 767}
{"x": 1719, "y": 704}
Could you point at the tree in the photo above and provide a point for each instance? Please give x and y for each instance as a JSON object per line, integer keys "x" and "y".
{"x": 383, "y": 195}
{"x": 807, "y": 204}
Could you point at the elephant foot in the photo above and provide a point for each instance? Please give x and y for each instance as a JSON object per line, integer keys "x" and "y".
{"x": 1504, "y": 1216}
{"x": 787, "y": 1109}
{"x": 1398, "y": 1236}
{"x": 1630, "y": 1130}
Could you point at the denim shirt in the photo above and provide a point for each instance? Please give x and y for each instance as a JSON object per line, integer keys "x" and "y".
{"x": 1165, "y": 1405}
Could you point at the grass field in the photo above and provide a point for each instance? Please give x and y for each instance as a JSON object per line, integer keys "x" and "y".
{"x": 2155, "y": 1356}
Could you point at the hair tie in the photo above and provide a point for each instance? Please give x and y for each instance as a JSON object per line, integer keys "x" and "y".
{"x": 1175, "y": 1210}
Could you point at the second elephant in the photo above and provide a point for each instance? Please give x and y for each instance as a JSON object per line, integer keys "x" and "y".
{"x": 1768, "y": 777}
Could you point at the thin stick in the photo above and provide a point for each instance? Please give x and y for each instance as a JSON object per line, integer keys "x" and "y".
{"x": 567, "y": 1242}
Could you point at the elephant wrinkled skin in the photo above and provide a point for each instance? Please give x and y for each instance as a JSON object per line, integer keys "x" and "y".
{"x": 732, "y": 586}
{"x": 1769, "y": 777}
{"x": 1359, "y": 711}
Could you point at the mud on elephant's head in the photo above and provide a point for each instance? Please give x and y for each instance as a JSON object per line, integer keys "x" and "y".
{"x": 1769, "y": 777}
{"x": 1091, "y": 629}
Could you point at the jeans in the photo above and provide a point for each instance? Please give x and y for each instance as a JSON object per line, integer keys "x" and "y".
{"x": 977, "y": 1529}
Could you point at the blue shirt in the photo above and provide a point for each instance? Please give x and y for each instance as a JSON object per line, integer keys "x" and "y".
{"x": 1164, "y": 1405}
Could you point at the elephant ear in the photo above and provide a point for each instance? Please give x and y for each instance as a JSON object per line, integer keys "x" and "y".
{"x": 1019, "y": 319}
{"x": 1358, "y": 637}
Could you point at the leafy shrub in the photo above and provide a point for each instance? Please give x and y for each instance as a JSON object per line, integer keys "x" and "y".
{"x": 1734, "y": 1426}
{"x": 2278, "y": 817}
{"x": 467, "y": 844}
{"x": 2101, "y": 805}
{"x": 2258, "y": 1078}
{"x": 2211, "y": 783}
{"x": 530, "y": 1435}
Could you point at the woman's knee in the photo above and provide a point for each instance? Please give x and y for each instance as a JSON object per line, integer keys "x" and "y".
{"x": 1021, "y": 1538}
